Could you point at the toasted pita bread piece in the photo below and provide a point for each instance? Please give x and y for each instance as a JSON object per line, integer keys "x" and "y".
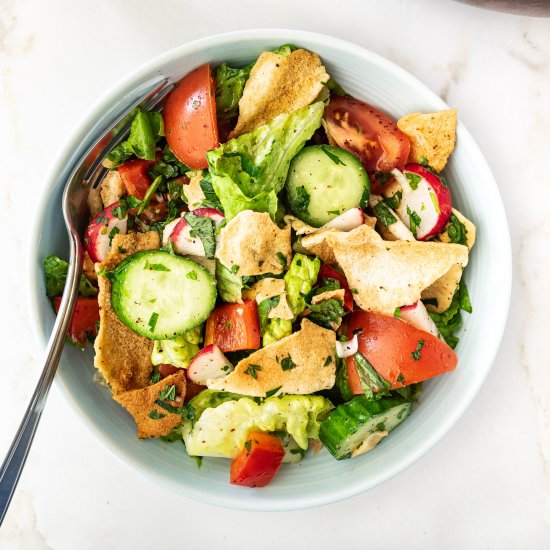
{"x": 88, "y": 267}
{"x": 301, "y": 363}
{"x": 193, "y": 190}
{"x": 389, "y": 274}
{"x": 269, "y": 288}
{"x": 317, "y": 244}
{"x": 122, "y": 356}
{"x": 441, "y": 293}
{"x": 151, "y": 419}
{"x": 279, "y": 84}
{"x": 337, "y": 294}
{"x": 432, "y": 136}
{"x": 253, "y": 243}
{"x": 469, "y": 226}
{"x": 111, "y": 188}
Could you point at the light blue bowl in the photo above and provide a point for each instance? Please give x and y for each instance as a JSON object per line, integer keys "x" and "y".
{"x": 321, "y": 479}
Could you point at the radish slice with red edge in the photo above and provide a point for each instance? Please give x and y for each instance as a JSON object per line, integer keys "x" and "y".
{"x": 417, "y": 315}
{"x": 426, "y": 204}
{"x": 99, "y": 234}
{"x": 349, "y": 220}
{"x": 210, "y": 363}
{"x": 183, "y": 237}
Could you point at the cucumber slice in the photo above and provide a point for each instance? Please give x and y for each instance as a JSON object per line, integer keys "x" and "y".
{"x": 324, "y": 182}
{"x": 350, "y": 424}
{"x": 160, "y": 295}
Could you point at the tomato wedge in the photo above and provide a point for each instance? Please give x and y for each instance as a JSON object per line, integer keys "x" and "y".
{"x": 399, "y": 352}
{"x": 189, "y": 115}
{"x": 367, "y": 133}
{"x": 328, "y": 272}
{"x": 84, "y": 319}
{"x": 234, "y": 327}
{"x": 135, "y": 177}
{"x": 258, "y": 462}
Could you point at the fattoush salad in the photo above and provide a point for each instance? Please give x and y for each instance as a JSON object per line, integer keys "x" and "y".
{"x": 272, "y": 266}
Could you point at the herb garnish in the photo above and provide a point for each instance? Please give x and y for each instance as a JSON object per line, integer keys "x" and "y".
{"x": 384, "y": 214}
{"x": 155, "y": 267}
{"x": 204, "y": 227}
{"x": 282, "y": 259}
{"x": 155, "y": 415}
{"x": 287, "y": 363}
{"x": 168, "y": 393}
{"x": 272, "y": 392}
{"x": 416, "y": 354}
{"x": 414, "y": 220}
{"x": 414, "y": 180}
{"x": 252, "y": 370}
{"x": 192, "y": 275}
{"x": 334, "y": 158}
{"x": 153, "y": 321}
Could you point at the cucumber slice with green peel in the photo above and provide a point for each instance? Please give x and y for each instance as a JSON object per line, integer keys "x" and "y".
{"x": 324, "y": 182}
{"x": 160, "y": 295}
{"x": 353, "y": 423}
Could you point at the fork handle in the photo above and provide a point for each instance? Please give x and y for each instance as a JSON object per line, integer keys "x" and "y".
{"x": 17, "y": 454}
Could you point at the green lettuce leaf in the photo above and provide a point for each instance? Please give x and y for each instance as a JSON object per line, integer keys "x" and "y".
{"x": 177, "y": 352}
{"x": 299, "y": 280}
{"x": 229, "y": 285}
{"x": 249, "y": 171}
{"x": 223, "y": 430}
{"x": 55, "y": 275}
{"x": 146, "y": 128}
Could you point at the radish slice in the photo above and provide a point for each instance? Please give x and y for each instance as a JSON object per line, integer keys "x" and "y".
{"x": 99, "y": 234}
{"x": 184, "y": 238}
{"x": 168, "y": 229}
{"x": 209, "y": 364}
{"x": 347, "y": 349}
{"x": 427, "y": 207}
{"x": 417, "y": 316}
{"x": 398, "y": 229}
{"x": 347, "y": 221}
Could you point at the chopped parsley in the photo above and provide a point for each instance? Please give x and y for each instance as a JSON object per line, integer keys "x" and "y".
{"x": 287, "y": 363}
{"x": 414, "y": 180}
{"x": 252, "y": 370}
{"x": 155, "y": 267}
{"x": 192, "y": 275}
{"x": 397, "y": 312}
{"x": 354, "y": 291}
{"x": 414, "y": 220}
{"x": 328, "y": 361}
{"x": 394, "y": 200}
{"x": 235, "y": 269}
{"x": 155, "y": 375}
{"x": 272, "y": 392}
{"x": 248, "y": 445}
{"x": 334, "y": 158}
{"x": 456, "y": 231}
{"x": 112, "y": 233}
{"x": 401, "y": 378}
{"x": 168, "y": 393}
{"x": 333, "y": 212}
{"x": 282, "y": 259}
{"x": 301, "y": 202}
{"x": 228, "y": 325}
{"x": 384, "y": 214}
{"x": 121, "y": 250}
{"x": 416, "y": 354}
{"x": 153, "y": 321}
{"x": 155, "y": 415}
{"x": 205, "y": 229}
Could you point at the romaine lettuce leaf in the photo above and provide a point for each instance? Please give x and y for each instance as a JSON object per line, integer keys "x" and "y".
{"x": 229, "y": 285}
{"x": 222, "y": 431}
{"x": 249, "y": 171}
{"x": 177, "y": 352}
{"x": 146, "y": 128}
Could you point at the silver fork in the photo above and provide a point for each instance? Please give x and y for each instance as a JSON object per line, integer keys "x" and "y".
{"x": 86, "y": 175}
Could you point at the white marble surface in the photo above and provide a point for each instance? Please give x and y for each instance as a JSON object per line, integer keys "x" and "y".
{"x": 487, "y": 483}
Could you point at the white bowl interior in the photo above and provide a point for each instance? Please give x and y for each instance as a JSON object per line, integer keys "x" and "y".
{"x": 321, "y": 479}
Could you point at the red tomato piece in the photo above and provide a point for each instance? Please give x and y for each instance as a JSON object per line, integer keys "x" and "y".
{"x": 328, "y": 272}
{"x": 135, "y": 177}
{"x": 258, "y": 462}
{"x": 399, "y": 352}
{"x": 367, "y": 133}
{"x": 189, "y": 115}
{"x": 84, "y": 319}
{"x": 192, "y": 389}
{"x": 234, "y": 327}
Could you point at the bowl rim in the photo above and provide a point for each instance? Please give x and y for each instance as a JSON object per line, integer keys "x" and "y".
{"x": 84, "y": 128}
